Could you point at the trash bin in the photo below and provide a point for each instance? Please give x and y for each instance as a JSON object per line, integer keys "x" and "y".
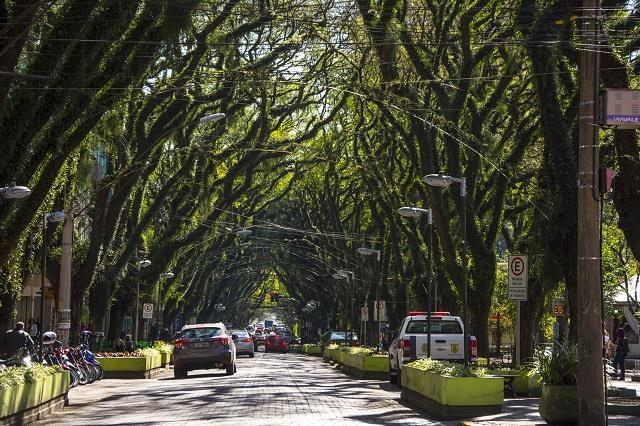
{"x": 97, "y": 338}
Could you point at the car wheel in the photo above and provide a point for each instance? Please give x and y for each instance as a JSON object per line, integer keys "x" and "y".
{"x": 251, "y": 355}
{"x": 235, "y": 368}
{"x": 179, "y": 373}
{"x": 399, "y": 378}
{"x": 231, "y": 368}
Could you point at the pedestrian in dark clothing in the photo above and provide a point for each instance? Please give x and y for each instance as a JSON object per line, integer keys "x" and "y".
{"x": 622, "y": 351}
{"x": 129, "y": 344}
{"x": 16, "y": 339}
{"x": 165, "y": 334}
{"x": 119, "y": 345}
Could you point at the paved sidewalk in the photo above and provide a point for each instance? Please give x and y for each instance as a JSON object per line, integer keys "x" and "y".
{"x": 270, "y": 389}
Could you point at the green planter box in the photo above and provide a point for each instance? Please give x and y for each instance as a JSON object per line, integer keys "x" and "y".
{"x": 523, "y": 384}
{"x": 131, "y": 367}
{"x": 311, "y": 349}
{"x": 559, "y": 404}
{"x": 24, "y": 397}
{"x": 165, "y": 358}
{"x": 452, "y": 397}
{"x": 372, "y": 363}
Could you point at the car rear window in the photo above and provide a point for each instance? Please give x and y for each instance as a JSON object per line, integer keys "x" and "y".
{"x": 201, "y": 333}
{"x": 240, "y": 333}
{"x": 437, "y": 326}
{"x": 343, "y": 335}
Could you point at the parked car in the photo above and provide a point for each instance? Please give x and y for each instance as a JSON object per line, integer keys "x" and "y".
{"x": 275, "y": 344}
{"x": 243, "y": 342}
{"x": 204, "y": 346}
{"x": 447, "y": 338}
{"x": 339, "y": 338}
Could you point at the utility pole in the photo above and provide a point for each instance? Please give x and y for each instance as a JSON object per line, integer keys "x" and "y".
{"x": 64, "y": 291}
{"x": 589, "y": 313}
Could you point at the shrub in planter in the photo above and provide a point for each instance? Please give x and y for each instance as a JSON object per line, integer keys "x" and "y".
{"x": 557, "y": 369}
{"x": 450, "y": 391}
{"x": 22, "y": 388}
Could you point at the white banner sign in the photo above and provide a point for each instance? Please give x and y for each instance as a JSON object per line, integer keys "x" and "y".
{"x": 147, "y": 311}
{"x": 518, "y": 276}
{"x": 364, "y": 313}
{"x": 380, "y": 306}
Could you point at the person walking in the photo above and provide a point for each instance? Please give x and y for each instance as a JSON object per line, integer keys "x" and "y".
{"x": 622, "y": 351}
{"x": 16, "y": 339}
{"x": 32, "y": 329}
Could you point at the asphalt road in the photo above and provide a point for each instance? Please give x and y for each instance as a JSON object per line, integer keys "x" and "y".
{"x": 270, "y": 389}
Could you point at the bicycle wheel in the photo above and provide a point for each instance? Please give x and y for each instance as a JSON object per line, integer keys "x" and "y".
{"x": 100, "y": 371}
{"x": 82, "y": 377}
{"x": 74, "y": 379}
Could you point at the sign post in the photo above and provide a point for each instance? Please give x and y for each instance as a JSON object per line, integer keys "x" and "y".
{"x": 364, "y": 318}
{"x": 518, "y": 277}
{"x": 147, "y": 311}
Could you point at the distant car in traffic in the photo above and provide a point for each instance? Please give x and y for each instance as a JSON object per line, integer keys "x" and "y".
{"x": 243, "y": 342}
{"x": 275, "y": 343}
{"x": 339, "y": 338}
{"x": 204, "y": 346}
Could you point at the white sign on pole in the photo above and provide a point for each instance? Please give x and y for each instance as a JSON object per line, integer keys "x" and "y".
{"x": 518, "y": 275}
{"x": 147, "y": 311}
{"x": 380, "y": 306}
{"x": 364, "y": 314}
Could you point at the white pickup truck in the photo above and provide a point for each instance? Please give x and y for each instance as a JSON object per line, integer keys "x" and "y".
{"x": 447, "y": 338}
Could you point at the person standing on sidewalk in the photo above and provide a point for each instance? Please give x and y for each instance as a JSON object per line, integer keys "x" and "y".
{"x": 622, "y": 351}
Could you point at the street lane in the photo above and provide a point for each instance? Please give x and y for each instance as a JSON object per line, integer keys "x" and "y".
{"x": 270, "y": 389}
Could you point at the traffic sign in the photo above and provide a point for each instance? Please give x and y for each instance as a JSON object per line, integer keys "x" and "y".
{"x": 518, "y": 277}
{"x": 558, "y": 309}
{"x": 147, "y": 310}
{"x": 364, "y": 313}
{"x": 380, "y": 306}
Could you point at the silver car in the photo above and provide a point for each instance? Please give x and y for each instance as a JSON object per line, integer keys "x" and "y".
{"x": 244, "y": 343}
{"x": 202, "y": 346}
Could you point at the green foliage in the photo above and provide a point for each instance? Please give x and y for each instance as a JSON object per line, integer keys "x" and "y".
{"x": 445, "y": 368}
{"x": 359, "y": 350}
{"x": 13, "y": 376}
{"x": 163, "y": 347}
{"x": 148, "y": 351}
{"x": 557, "y": 366}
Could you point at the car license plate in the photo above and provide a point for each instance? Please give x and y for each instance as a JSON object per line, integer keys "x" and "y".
{"x": 201, "y": 345}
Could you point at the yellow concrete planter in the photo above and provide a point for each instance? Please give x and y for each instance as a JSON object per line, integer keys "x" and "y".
{"x": 131, "y": 367}
{"x": 32, "y": 394}
{"x": 310, "y": 349}
{"x": 125, "y": 363}
{"x": 454, "y": 391}
{"x": 371, "y": 363}
{"x": 164, "y": 358}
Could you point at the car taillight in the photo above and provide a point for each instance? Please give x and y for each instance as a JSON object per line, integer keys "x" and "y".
{"x": 406, "y": 346}
{"x": 247, "y": 340}
{"x": 223, "y": 340}
{"x": 181, "y": 343}
{"x": 473, "y": 345}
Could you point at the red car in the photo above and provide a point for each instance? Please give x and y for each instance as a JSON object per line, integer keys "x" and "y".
{"x": 275, "y": 344}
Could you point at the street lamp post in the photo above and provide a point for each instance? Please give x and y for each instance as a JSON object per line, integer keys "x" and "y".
{"x": 417, "y": 212}
{"x": 365, "y": 251}
{"x": 141, "y": 264}
{"x": 340, "y": 275}
{"x": 12, "y": 192}
{"x": 46, "y": 219}
{"x": 444, "y": 181}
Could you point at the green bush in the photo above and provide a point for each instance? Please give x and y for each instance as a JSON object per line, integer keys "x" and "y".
{"x": 444, "y": 368}
{"x": 148, "y": 352}
{"x": 12, "y": 376}
{"x": 359, "y": 350}
{"x": 558, "y": 367}
{"x": 163, "y": 347}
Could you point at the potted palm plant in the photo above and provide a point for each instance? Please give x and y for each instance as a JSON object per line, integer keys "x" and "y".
{"x": 557, "y": 369}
